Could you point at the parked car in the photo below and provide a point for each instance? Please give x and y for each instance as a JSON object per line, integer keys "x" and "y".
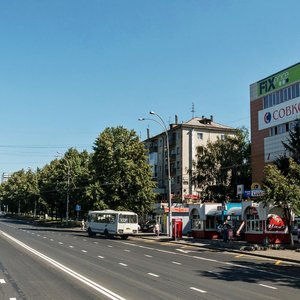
{"x": 149, "y": 226}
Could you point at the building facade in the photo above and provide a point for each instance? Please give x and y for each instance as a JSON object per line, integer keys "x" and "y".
{"x": 275, "y": 110}
{"x": 184, "y": 139}
{"x": 5, "y": 177}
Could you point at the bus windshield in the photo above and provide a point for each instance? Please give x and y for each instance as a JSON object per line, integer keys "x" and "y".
{"x": 127, "y": 218}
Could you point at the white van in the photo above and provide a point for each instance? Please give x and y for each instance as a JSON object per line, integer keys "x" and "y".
{"x": 112, "y": 223}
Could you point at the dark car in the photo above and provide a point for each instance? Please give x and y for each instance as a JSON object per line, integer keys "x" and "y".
{"x": 149, "y": 226}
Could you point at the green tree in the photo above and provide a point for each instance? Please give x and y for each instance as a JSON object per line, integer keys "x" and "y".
{"x": 65, "y": 178}
{"x": 292, "y": 146}
{"x": 283, "y": 189}
{"x": 221, "y": 165}
{"x": 21, "y": 191}
{"x": 122, "y": 171}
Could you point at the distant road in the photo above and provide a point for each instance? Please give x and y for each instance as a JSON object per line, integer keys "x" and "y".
{"x": 44, "y": 263}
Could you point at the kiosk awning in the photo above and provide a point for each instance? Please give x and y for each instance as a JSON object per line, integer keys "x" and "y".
{"x": 234, "y": 211}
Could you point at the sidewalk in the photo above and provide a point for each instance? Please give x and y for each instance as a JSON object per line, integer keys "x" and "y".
{"x": 289, "y": 255}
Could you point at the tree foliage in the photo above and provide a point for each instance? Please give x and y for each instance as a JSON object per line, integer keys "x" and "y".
{"x": 292, "y": 146}
{"x": 221, "y": 165}
{"x": 122, "y": 170}
{"x": 283, "y": 189}
{"x": 282, "y": 178}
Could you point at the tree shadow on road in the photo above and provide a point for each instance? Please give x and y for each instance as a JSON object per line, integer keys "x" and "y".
{"x": 285, "y": 275}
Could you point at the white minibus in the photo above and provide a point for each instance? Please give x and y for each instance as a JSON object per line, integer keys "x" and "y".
{"x": 111, "y": 223}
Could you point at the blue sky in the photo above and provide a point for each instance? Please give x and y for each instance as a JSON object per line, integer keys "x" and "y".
{"x": 71, "y": 68}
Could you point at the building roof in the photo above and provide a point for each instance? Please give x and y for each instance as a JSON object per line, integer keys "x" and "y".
{"x": 200, "y": 123}
{"x": 205, "y": 123}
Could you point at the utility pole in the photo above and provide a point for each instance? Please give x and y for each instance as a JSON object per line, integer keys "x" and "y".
{"x": 68, "y": 194}
{"x": 68, "y": 187}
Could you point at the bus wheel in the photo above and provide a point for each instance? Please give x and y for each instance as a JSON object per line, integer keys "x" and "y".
{"x": 106, "y": 234}
{"x": 124, "y": 237}
{"x": 90, "y": 232}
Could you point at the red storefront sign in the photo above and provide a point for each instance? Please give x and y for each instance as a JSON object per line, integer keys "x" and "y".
{"x": 276, "y": 223}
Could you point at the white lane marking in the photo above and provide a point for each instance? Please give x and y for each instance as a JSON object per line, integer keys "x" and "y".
{"x": 51, "y": 240}
{"x": 101, "y": 289}
{"x": 38, "y": 235}
{"x": 109, "y": 246}
{"x": 2, "y": 281}
{"x": 60, "y": 243}
{"x": 130, "y": 244}
{"x": 212, "y": 260}
{"x": 198, "y": 290}
{"x": 144, "y": 247}
{"x": 84, "y": 251}
{"x": 84, "y": 240}
{"x": 147, "y": 255}
{"x": 237, "y": 265}
{"x": 95, "y": 242}
{"x": 122, "y": 264}
{"x": 184, "y": 251}
{"x": 100, "y": 256}
{"x": 176, "y": 263}
{"x": 154, "y": 275}
{"x": 44, "y": 237}
{"x": 126, "y": 250}
{"x": 12, "y": 298}
{"x": 268, "y": 286}
{"x": 71, "y": 246}
{"x": 203, "y": 258}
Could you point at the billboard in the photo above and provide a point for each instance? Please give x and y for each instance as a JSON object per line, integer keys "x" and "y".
{"x": 282, "y": 113}
{"x": 278, "y": 80}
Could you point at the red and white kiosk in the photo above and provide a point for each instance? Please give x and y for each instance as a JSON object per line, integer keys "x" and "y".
{"x": 264, "y": 224}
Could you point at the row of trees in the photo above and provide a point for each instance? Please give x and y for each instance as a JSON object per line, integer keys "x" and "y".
{"x": 116, "y": 175}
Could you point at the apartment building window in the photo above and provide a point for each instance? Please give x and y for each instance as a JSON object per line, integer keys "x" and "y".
{"x": 199, "y": 135}
{"x": 178, "y": 150}
{"x": 283, "y": 95}
{"x": 280, "y": 129}
{"x": 178, "y": 179}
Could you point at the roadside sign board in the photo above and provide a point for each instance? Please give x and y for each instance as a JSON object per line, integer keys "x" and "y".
{"x": 78, "y": 207}
{"x": 256, "y": 193}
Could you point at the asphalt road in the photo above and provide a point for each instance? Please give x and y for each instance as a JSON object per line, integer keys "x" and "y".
{"x": 44, "y": 263}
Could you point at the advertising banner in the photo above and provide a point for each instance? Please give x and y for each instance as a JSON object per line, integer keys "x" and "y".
{"x": 278, "y": 80}
{"x": 282, "y": 113}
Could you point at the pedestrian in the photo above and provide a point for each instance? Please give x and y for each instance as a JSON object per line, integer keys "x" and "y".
{"x": 230, "y": 235}
{"x": 225, "y": 233}
{"x": 156, "y": 229}
{"x": 83, "y": 224}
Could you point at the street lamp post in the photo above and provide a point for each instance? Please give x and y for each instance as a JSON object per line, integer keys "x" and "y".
{"x": 163, "y": 125}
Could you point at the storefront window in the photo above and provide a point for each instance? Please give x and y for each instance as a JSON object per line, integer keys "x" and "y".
{"x": 197, "y": 224}
{"x": 252, "y": 220}
{"x": 210, "y": 222}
